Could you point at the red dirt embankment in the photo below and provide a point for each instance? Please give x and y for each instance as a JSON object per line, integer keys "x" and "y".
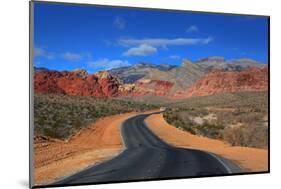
{"x": 249, "y": 159}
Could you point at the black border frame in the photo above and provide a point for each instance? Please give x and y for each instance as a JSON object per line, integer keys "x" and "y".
{"x": 31, "y": 127}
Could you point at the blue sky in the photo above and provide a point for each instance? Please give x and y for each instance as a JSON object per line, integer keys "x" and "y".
{"x": 67, "y": 37}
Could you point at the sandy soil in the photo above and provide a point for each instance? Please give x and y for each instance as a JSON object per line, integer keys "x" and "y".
{"x": 249, "y": 159}
{"x": 56, "y": 159}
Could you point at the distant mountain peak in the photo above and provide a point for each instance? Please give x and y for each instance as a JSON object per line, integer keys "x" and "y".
{"x": 217, "y": 62}
{"x": 144, "y": 64}
{"x": 212, "y": 59}
{"x": 103, "y": 75}
{"x": 248, "y": 60}
{"x": 81, "y": 72}
{"x": 186, "y": 62}
{"x": 166, "y": 67}
{"x": 38, "y": 69}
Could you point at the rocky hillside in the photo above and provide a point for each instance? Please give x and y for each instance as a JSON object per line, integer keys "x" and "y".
{"x": 221, "y": 81}
{"x": 101, "y": 84}
{"x": 181, "y": 76}
{"x": 148, "y": 87}
{"x": 76, "y": 83}
{"x": 131, "y": 74}
{"x": 205, "y": 77}
{"x": 217, "y": 62}
{"x": 184, "y": 75}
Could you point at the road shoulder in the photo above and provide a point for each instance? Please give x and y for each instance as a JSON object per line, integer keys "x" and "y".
{"x": 248, "y": 159}
{"x": 56, "y": 159}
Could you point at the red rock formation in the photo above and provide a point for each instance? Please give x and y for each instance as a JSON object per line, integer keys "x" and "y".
{"x": 103, "y": 84}
{"x": 77, "y": 82}
{"x": 108, "y": 83}
{"x": 126, "y": 89}
{"x": 218, "y": 81}
{"x": 44, "y": 82}
{"x": 147, "y": 87}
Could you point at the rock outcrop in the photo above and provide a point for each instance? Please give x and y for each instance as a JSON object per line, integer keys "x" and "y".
{"x": 101, "y": 84}
{"x": 148, "y": 87}
{"x": 220, "y": 81}
{"x": 105, "y": 84}
{"x": 78, "y": 83}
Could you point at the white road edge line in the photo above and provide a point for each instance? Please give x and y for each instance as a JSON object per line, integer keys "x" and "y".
{"x": 121, "y": 135}
{"x": 217, "y": 158}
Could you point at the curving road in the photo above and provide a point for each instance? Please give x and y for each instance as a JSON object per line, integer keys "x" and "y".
{"x": 148, "y": 157}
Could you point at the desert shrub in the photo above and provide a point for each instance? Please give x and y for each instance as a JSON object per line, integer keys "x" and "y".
{"x": 210, "y": 130}
{"x": 254, "y": 133}
{"x": 180, "y": 119}
{"x": 249, "y": 118}
{"x": 257, "y": 101}
{"x": 173, "y": 118}
{"x": 59, "y": 116}
{"x": 251, "y": 136}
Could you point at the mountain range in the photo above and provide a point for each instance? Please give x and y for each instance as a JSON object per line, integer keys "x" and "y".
{"x": 204, "y": 77}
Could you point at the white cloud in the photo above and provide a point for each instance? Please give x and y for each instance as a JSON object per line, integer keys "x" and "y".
{"x": 41, "y": 52}
{"x": 71, "y": 56}
{"x": 106, "y": 64}
{"x": 119, "y": 23}
{"x": 141, "y": 50}
{"x": 192, "y": 29}
{"x": 162, "y": 42}
{"x": 174, "y": 57}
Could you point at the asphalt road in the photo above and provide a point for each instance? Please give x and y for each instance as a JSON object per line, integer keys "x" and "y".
{"x": 148, "y": 157}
